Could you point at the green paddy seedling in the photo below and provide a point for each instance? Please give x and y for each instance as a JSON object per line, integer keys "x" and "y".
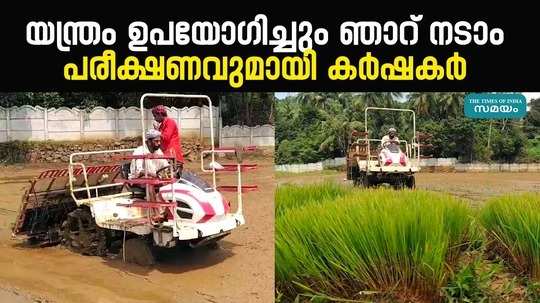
{"x": 513, "y": 228}
{"x": 293, "y": 196}
{"x": 371, "y": 241}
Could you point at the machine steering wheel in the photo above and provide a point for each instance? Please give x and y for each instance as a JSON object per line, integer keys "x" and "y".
{"x": 164, "y": 172}
{"x": 389, "y": 142}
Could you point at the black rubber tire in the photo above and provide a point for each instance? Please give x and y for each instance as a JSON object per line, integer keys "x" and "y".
{"x": 213, "y": 245}
{"x": 138, "y": 251}
{"x": 357, "y": 182}
{"x": 368, "y": 182}
{"x": 411, "y": 182}
{"x": 399, "y": 184}
{"x": 362, "y": 181}
{"x": 80, "y": 234}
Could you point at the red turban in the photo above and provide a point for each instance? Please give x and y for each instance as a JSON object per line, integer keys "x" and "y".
{"x": 159, "y": 110}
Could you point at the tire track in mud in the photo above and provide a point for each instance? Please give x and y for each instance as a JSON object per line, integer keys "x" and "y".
{"x": 14, "y": 295}
{"x": 5, "y": 211}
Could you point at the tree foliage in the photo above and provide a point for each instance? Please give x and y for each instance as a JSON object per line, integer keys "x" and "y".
{"x": 532, "y": 120}
{"x": 314, "y": 126}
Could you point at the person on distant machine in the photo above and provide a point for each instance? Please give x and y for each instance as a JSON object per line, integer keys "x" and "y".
{"x": 391, "y": 136}
{"x": 170, "y": 136}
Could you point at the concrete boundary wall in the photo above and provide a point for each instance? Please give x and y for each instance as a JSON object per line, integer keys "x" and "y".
{"x": 444, "y": 164}
{"x": 35, "y": 123}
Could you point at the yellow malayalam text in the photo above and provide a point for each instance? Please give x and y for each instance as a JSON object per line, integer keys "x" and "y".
{"x": 402, "y": 68}
{"x": 236, "y": 70}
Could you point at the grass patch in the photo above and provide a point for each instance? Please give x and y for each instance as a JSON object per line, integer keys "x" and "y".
{"x": 293, "y": 196}
{"x": 513, "y": 228}
{"x": 324, "y": 172}
{"x": 532, "y": 149}
{"x": 366, "y": 242}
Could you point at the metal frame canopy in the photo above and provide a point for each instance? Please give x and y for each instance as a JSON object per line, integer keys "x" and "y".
{"x": 182, "y": 96}
{"x": 414, "y": 145}
{"x": 391, "y": 109}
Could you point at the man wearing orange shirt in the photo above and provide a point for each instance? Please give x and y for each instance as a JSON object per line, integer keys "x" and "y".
{"x": 170, "y": 136}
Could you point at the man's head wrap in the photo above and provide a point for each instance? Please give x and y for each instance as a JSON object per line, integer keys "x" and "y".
{"x": 159, "y": 110}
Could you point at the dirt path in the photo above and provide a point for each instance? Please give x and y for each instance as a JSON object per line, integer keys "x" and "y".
{"x": 15, "y": 296}
{"x": 242, "y": 270}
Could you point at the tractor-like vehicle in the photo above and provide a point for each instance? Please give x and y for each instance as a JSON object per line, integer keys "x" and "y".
{"x": 371, "y": 161}
{"x": 98, "y": 209}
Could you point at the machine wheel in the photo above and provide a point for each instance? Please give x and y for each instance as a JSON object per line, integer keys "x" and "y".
{"x": 352, "y": 172}
{"x": 80, "y": 234}
{"x": 410, "y": 182}
{"x": 399, "y": 184}
{"x": 213, "y": 245}
{"x": 357, "y": 181}
{"x": 362, "y": 181}
{"x": 138, "y": 251}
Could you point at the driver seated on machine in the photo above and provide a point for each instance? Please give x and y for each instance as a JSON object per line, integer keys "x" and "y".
{"x": 152, "y": 146}
{"x": 391, "y": 137}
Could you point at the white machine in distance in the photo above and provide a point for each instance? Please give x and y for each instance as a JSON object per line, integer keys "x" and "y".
{"x": 371, "y": 161}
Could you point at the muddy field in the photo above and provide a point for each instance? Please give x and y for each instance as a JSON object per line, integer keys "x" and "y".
{"x": 476, "y": 187}
{"x": 241, "y": 270}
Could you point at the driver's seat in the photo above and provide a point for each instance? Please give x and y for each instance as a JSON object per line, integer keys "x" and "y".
{"x": 136, "y": 191}
{"x": 125, "y": 169}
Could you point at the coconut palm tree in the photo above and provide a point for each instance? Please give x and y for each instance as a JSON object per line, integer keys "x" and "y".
{"x": 314, "y": 98}
{"x": 381, "y": 99}
{"x": 423, "y": 103}
{"x": 450, "y": 104}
